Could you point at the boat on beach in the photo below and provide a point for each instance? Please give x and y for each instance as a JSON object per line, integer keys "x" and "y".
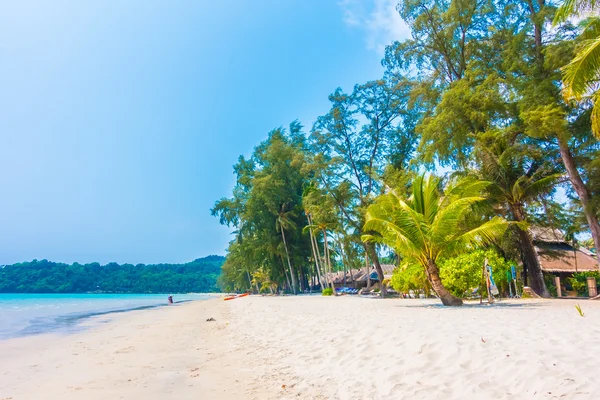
{"x": 235, "y": 296}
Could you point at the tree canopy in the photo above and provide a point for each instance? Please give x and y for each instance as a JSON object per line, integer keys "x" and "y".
{"x": 478, "y": 88}
{"x": 50, "y": 277}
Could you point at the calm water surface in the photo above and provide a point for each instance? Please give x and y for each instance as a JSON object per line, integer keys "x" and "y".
{"x": 29, "y": 314}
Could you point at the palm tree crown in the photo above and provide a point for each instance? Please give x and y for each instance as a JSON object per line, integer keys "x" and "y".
{"x": 433, "y": 223}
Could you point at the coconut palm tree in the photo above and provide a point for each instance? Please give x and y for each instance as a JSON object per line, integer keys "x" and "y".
{"x": 581, "y": 76}
{"x": 518, "y": 177}
{"x": 284, "y": 221}
{"x": 432, "y": 224}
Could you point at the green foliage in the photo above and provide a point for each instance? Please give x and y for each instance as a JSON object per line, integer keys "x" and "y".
{"x": 266, "y": 209}
{"x": 476, "y": 86}
{"x": 463, "y": 273}
{"x": 409, "y": 276}
{"x": 550, "y": 284}
{"x": 432, "y": 223}
{"x": 579, "y": 281}
{"x": 49, "y": 277}
{"x": 327, "y": 292}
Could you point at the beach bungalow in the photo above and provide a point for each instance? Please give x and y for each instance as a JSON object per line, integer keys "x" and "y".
{"x": 358, "y": 278}
{"x": 560, "y": 258}
{"x": 362, "y": 279}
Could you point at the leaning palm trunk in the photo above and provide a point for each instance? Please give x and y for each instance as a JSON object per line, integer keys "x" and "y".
{"x": 582, "y": 192}
{"x": 287, "y": 278}
{"x": 378, "y": 268}
{"x": 315, "y": 251}
{"x": 287, "y": 254}
{"x": 433, "y": 276}
{"x": 534, "y": 269}
{"x": 316, "y": 257}
{"x": 327, "y": 259}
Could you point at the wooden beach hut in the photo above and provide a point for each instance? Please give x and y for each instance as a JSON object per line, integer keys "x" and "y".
{"x": 559, "y": 257}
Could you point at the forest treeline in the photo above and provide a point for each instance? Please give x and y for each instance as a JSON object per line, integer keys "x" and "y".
{"x": 479, "y": 88}
{"x": 45, "y": 276}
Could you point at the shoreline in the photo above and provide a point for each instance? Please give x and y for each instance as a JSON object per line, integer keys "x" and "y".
{"x": 314, "y": 347}
{"x": 71, "y": 321}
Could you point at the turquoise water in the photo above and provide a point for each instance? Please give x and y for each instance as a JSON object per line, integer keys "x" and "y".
{"x": 30, "y": 314}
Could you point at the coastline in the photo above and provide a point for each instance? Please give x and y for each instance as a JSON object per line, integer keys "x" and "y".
{"x": 314, "y": 347}
{"x": 151, "y": 354}
{"x": 26, "y": 314}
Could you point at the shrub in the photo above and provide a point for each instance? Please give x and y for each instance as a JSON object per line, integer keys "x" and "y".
{"x": 463, "y": 273}
{"x": 579, "y": 282}
{"x": 409, "y": 276}
{"x": 551, "y": 285}
{"x": 328, "y": 292}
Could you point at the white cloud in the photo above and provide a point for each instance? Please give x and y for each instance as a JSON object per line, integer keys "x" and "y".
{"x": 378, "y": 19}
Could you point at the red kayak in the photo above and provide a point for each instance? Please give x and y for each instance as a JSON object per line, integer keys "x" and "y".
{"x": 236, "y": 296}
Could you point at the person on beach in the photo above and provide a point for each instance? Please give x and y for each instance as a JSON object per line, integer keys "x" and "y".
{"x": 170, "y": 298}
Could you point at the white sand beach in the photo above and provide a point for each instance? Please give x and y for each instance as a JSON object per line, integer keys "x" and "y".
{"x": 316, "y": 348}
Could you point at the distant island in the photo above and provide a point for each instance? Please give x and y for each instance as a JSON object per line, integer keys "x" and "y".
{"x": 46, "y": 276}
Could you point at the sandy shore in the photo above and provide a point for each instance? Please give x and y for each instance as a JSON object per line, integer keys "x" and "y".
{"x": 316, "y": 348}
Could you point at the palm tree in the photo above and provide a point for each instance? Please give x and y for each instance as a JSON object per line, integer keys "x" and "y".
{"x": 588, "y": 244}
{"x": 284, "y": 221}
{"x": 315, "y": 249}
{"x": 517, "y": 179}
{"x": 432, "y": 224}
{"x": 581, "y": 75}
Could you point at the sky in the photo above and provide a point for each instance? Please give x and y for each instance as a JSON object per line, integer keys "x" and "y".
{"x": 120, "y": 121}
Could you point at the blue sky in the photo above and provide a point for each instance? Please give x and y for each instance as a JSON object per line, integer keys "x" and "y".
{"x": 120, "y": 120}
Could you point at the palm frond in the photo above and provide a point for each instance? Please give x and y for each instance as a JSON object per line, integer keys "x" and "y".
{"x": 583, "y": 70}
{"x": 484, "y": 234}
{"x": 431, "y": 198}
{"x": 596, "y": 115}
{"x": 448, "y": 219}
{"x": 571, "y": 8}
{"x": 541, "y": 186}
{"x": 467, "y": 187}
{"x": 402, "y": 219}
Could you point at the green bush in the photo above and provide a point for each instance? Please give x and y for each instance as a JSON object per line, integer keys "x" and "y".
{"x": 409, "y": 276}
{"x": 328, "y": 292}
{"x": 462, "y": 274}
{"x": 550, "y": 284}
{"x": 579, "y": 281}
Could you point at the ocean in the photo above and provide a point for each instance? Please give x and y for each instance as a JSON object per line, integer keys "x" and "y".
{"x": 30, "y": 314}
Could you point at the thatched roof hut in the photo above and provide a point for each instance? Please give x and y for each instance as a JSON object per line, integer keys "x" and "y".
{"x": 359, "y": 276}
{"x": 556, "y": 255}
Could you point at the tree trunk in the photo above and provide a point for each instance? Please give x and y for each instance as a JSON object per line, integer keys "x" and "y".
{"x": 301, "y": 279}
{"x": 287, "y": 254}
{"x": 315, "y": 251}
{"x": 341, "y": 246}
{"x": 373, "y": 253}
{"x": 327, "y": 259}
{"x": 287, "y": 278}
{"x": 530, "y": 259}
{"x": 249, "y": 281}
{"x": 368, "y": 268}
{"x": 582, "y": 192}
{"x": 433, "y": 273}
